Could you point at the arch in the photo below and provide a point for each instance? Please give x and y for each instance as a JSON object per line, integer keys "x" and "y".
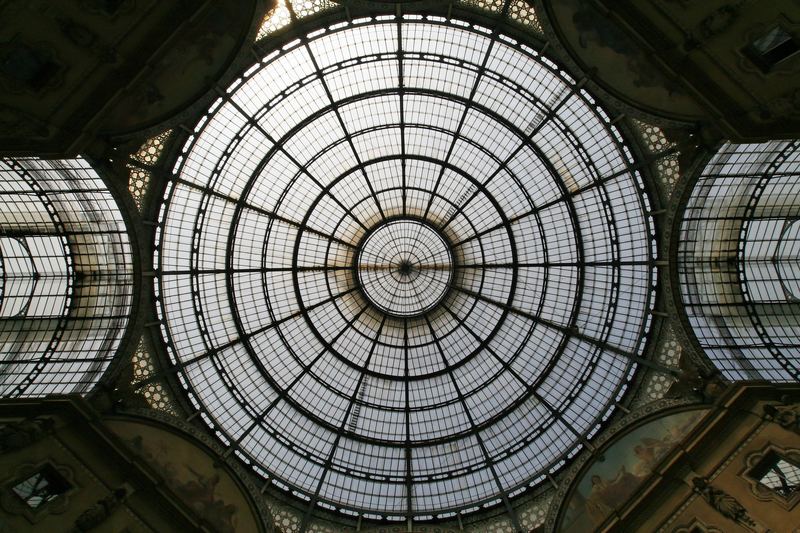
{"x": 67, "y": 277}
{"x": 737, "y": 260}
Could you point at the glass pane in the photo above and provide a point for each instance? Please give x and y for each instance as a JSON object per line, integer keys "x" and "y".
{"x": 783, "y": 477}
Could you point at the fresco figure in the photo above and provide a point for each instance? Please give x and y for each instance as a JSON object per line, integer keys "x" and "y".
{"x": 596, "y": 505}
{"x": 607, "y": 495}
{"x": 609, "y": 482}
{"x": 197, "y": 489}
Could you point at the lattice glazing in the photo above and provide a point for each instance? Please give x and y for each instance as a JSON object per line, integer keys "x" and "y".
{"x": 494, "y": 383}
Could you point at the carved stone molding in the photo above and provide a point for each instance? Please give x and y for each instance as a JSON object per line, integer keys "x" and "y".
{"x": 696, "y": 526}
{"x": 18, "y": 435}
{"x": 718, "y": 21}
{"x": 786, "y": 415}
{"x": 726, "y": 505}
{"x": 100, "y": 511}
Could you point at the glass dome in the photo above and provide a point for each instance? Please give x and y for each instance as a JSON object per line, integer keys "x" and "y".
{"x": 405, "y": 266}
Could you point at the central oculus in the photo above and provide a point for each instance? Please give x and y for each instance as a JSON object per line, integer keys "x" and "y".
{"x": 404, "y": 267}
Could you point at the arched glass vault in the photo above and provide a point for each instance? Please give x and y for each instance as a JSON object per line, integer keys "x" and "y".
{"x": 739, "y": 260}
{"x": 67, "y": 282}
{"x": 404, "y": 267}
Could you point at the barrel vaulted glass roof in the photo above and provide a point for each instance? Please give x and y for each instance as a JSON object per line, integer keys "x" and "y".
{"x": 66, "y": 281}
{"x": 739, "y": 260}
{"x": 405, "y": 267}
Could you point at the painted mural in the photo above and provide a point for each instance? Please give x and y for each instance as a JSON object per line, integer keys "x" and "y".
{"x": 197, "y": 53}
{"x": 598, "y": 40}
{"x": 190, "y": 474}
{"x": 608, "y": 484}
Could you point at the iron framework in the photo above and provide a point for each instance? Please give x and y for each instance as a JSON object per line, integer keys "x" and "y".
{"x": 466, "y": 402}
{"x": 67, "y": 277}
{"x": 738, "y": 260}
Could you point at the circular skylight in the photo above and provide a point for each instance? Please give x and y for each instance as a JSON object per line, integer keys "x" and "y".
{"x": 405, "y": 267}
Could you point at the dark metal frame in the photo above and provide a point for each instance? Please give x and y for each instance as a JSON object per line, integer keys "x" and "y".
{"x": 360, "y": 248}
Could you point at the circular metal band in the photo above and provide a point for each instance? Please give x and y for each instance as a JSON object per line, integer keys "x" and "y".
{"x": 404, "y": 267}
